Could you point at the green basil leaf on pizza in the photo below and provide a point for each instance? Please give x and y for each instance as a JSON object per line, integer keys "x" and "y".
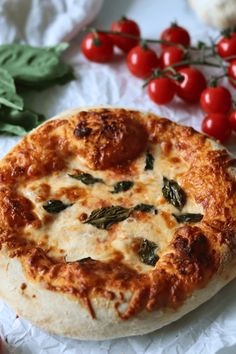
{"x": 173, "y": 193}
{"x": 188, "y": 217}
{"x": 147, "y": 252}
{"x": 86, "y": 178}
{"x": 122, "y": 186}
{"x": 54, "y": 206}
{"x": 149, "y": 163}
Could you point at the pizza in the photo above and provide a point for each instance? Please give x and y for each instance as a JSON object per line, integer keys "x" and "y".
{"x": 114, "y": 223}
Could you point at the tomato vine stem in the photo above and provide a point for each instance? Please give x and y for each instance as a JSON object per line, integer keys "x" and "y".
{"x": 201, "y": 47}
{"x": 147, "y": 40}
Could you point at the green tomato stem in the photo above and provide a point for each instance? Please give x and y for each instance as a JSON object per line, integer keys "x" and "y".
{"x": 195, "y": 62}
{"x": 148, "y": 40}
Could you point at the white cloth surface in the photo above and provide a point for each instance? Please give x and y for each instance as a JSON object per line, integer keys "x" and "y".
{"x": 44, "y": 22}
{"x": 211, "y": 328}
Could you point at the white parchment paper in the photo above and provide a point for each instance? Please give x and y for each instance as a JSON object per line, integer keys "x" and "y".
{"x": 209, "y": 329}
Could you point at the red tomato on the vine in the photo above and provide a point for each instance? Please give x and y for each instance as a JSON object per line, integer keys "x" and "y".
{"x": 232, "y": 120}
{"x": 97, "y": 47}
{"x": 171, "y": 55}
{"x": 161, "y": 90}
{"x": 125, "y": 25}
{"x": 141, "y": 60}
{"x": 176, "y": 34}
{"x": 216, "y": 100}
{"x": 226, "y": 47}
{"x": 232, "y": 73}
{"x": 217, "y": 126}
{"x": 192, "y": 85}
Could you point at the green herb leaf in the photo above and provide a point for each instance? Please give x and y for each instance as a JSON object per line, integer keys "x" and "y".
{"x": 28, "y": 64}
{"x": 59, "y": 48}
{"x": 122, "y": 186}
{"x": 32, "y": 69}
{"x": 149, "y": 161}
{"x": 43, "y": 85}
{"x": 54, "y": 206}
{"x": 145, "y": 208}
{"x": 147, "y": 253}
{"x": 8, "y": 95}
{"x": 173, "y": 193}
{"x": 6, "y": 128}
{"x": 103, "y": 218}
{"x": 188, "y": 217}
{"x": 86, "y": 178}
{"x": 17, "y": 122}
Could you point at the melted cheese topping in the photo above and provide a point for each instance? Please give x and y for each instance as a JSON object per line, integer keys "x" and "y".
{"x": 65, "y": 234}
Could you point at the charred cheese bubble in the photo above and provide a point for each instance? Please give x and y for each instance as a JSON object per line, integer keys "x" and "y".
{"x": 109, "y": 138}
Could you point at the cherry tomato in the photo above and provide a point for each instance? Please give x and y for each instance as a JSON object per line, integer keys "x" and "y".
{"x": 192, "y": 85}
{"x": 125, "y": 25}
{"x": 161, "y": 90}
{"x": 97, "y": 47}
{"x": 170, "y": 56}
{"x": 176, "y": 34}
{"x": 217, "y": 126}
{"x": 216, "y": 100}
{"x": 141, "y": 60}
{"x": 232, "y": 120}
{"x": 226, "y": 47}
{"x": 232, "y": 73}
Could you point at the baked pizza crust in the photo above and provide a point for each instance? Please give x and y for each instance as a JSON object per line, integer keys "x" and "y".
{"x": 57, "y": 314}
{"x": 191, "y": 271}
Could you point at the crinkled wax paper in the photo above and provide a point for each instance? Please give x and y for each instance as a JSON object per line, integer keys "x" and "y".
{"x": 209, "y": 329}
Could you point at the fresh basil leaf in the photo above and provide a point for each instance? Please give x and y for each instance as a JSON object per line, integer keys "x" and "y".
{"x": 43, "y": 85}
{"x": 28, "y": 64}
{"x": 86, "y": 178}
{"x": 122, "y": 186}
{"x": 32, "y": 69}
{"x": 147, "y": 252}
{"x": 173, "y": 193}
{"x": 145, "y": 208}
{"x": 6, "y": 128}
{"x": 103, "y": 218}
{"x": 8, "y": 95}
{"x": 24, "y": 120}
{"x": 59, "y": 48}
{"x": 188, "y": 217}
{"x": 149, "y": 163}
{"x": 54, "y": 206}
